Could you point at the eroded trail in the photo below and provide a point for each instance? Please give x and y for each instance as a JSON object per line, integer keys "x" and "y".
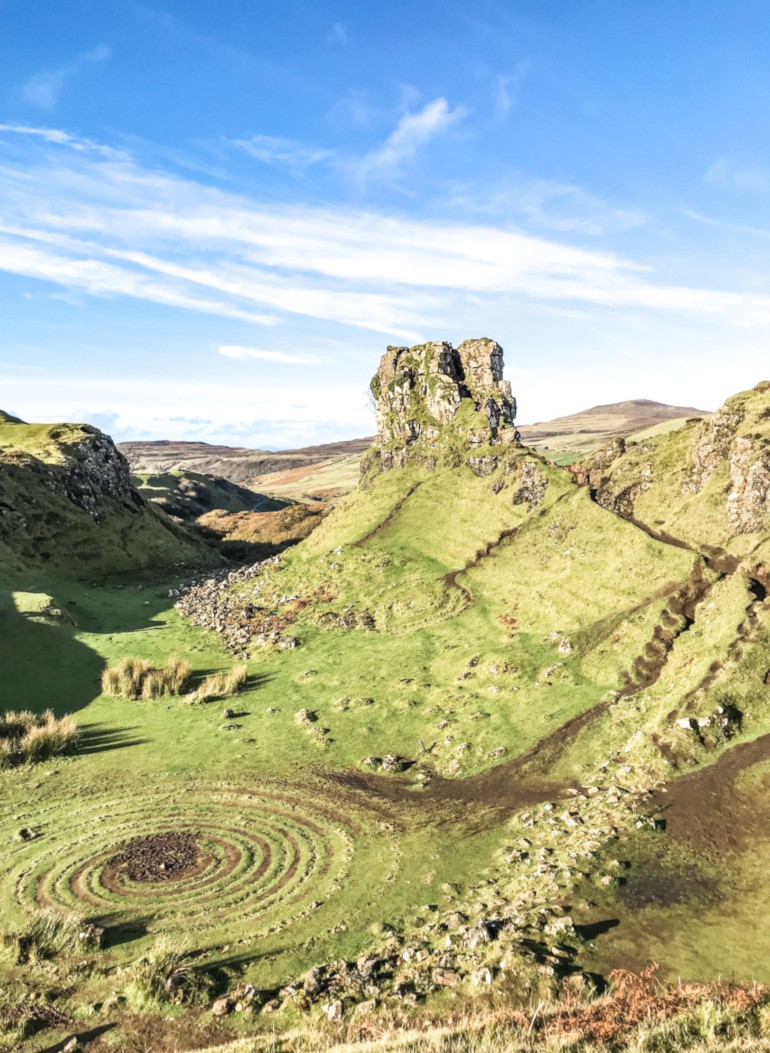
{"x": 705, "y": 809}
{"x": 388, "y": 519}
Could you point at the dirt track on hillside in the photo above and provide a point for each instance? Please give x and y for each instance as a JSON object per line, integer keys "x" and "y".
{"x": 705, "y": 809}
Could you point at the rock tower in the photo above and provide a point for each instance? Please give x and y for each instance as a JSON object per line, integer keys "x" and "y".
{"x": 435, "y": 401}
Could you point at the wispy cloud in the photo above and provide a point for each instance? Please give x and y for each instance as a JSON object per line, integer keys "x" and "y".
{"x": 237, "y": 351}
{"x": 93, "y": 220}
{"x": 504, "y": 89}
{"x": 724, "y": 172}
{"x": 413, "y": 131}
{"x": 272, "y": 149}
{"x": 338, "y": 34}
{"x": 43, "y": 89}
{"x": 354, "y": 111}
{"x": 549, "y": 205}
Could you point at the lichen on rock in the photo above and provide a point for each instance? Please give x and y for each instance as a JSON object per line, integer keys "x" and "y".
{"x": 433, "y": 401}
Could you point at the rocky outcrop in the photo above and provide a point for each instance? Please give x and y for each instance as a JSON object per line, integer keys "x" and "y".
{"x": 434, "y": 401}
{"x": 67, "y": 500}
{"x": 713, "y": 447}
{"x": 712, "y": 475}
{"x": 748, "y": 503}
{"x": 91, "y": 470}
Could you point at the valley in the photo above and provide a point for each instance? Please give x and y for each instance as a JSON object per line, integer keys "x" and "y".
{"x": 504, "y": 726}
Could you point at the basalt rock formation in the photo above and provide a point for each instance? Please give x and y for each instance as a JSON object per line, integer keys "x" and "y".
{"x": 709, "y": 481}
{"x": 440, "y": 404}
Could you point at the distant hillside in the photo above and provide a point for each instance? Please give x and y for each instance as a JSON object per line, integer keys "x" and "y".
{"x": 237, "y": 464}
{"x": 330, "y": 471}
{"x": 67, "y": 503}
{"x": 188, "y": 495}
{"x": 584, "y": 431}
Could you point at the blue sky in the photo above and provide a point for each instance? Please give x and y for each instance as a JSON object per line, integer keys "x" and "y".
{"x": 215, "y": 216}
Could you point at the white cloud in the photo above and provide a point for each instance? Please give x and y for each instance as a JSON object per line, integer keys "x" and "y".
{"x": 43, "y": 89}
{"x": 272, "y": 149}
{"x": 91, "y": 219}
{"x": 413, "y": 131}
{"x": 237, "y": 351}
{"x": 724, "y": 172}
{"x": 278, "y": 415}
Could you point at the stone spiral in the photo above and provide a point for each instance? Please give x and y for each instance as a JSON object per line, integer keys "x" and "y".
{"x": 263, "y": 858}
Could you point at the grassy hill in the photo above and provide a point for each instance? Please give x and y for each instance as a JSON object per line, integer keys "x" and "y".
{"x": 189, "y": 495}
{"x": 502, "y": 733}
{"x": 67, "y": 504}
{"x": 579, "y": 433}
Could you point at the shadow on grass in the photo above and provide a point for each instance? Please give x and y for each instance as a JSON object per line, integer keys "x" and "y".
{"x": 44, "y": 665}
{"x": 83, "y": 1037}
{"x": 99, "y": 738}
{"x": 118, "y": 933}
{"x": 592, "y": 930}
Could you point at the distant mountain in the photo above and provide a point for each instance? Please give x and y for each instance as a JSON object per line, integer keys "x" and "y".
{"x": 237, "y": 464}
{"x": 592, "y": 427}
{"x": 328, "y": 472}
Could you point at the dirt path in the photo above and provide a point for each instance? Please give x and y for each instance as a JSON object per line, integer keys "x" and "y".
{"x": 388, "y": 519}
{"x": 704, "y": 808}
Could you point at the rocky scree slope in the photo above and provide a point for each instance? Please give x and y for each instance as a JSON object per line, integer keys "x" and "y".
{"x": 67, "y": 503}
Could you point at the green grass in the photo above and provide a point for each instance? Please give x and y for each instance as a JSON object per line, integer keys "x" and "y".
{"x": 447, "y": 622}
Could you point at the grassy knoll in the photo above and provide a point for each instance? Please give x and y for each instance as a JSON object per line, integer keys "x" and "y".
{"x": 464, "y": 693}
{"x": 68, "y": 504}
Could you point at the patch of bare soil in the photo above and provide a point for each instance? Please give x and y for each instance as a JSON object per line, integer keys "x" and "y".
{"x": 705, "y": 809}
{"x": 168, "y": 856}
{"x": 155, "y": 1033}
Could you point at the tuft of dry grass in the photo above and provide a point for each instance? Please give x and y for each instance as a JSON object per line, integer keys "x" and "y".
{"x": 28, "y": 737}
{"x": 47, "y": 935}
{"x": 137, "y": 678}
{"x": 166, "y": 973}
{"x": 221, "y": 685}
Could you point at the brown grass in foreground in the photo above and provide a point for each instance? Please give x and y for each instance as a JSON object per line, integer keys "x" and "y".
{"x": 638, "y": 1014}
{"x": 136, "y": 678}
{"x": 27, "y": 737}
{"x": 221, "y": 685}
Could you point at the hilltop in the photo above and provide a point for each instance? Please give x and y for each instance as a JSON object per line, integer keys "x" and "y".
{"x": 558, "y": 626}
{"x": 505, "y": 729}
{"x": 581, "y": 432}
{"x": 67, "y": 503}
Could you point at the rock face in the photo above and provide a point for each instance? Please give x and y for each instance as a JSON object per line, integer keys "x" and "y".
{"x": 66, "y": 499}
{"x": 428, "y": 394}
{"x": 92, "y": 470}
{"x": 722, "y": 473}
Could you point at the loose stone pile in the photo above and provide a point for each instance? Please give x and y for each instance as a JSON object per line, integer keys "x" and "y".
{"x": 213, "y": 602}
{"x": 513, "y": 924}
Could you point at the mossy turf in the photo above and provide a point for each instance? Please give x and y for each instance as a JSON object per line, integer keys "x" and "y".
{"x": 145, "y": 765}
{"x": 453, "y": 621}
